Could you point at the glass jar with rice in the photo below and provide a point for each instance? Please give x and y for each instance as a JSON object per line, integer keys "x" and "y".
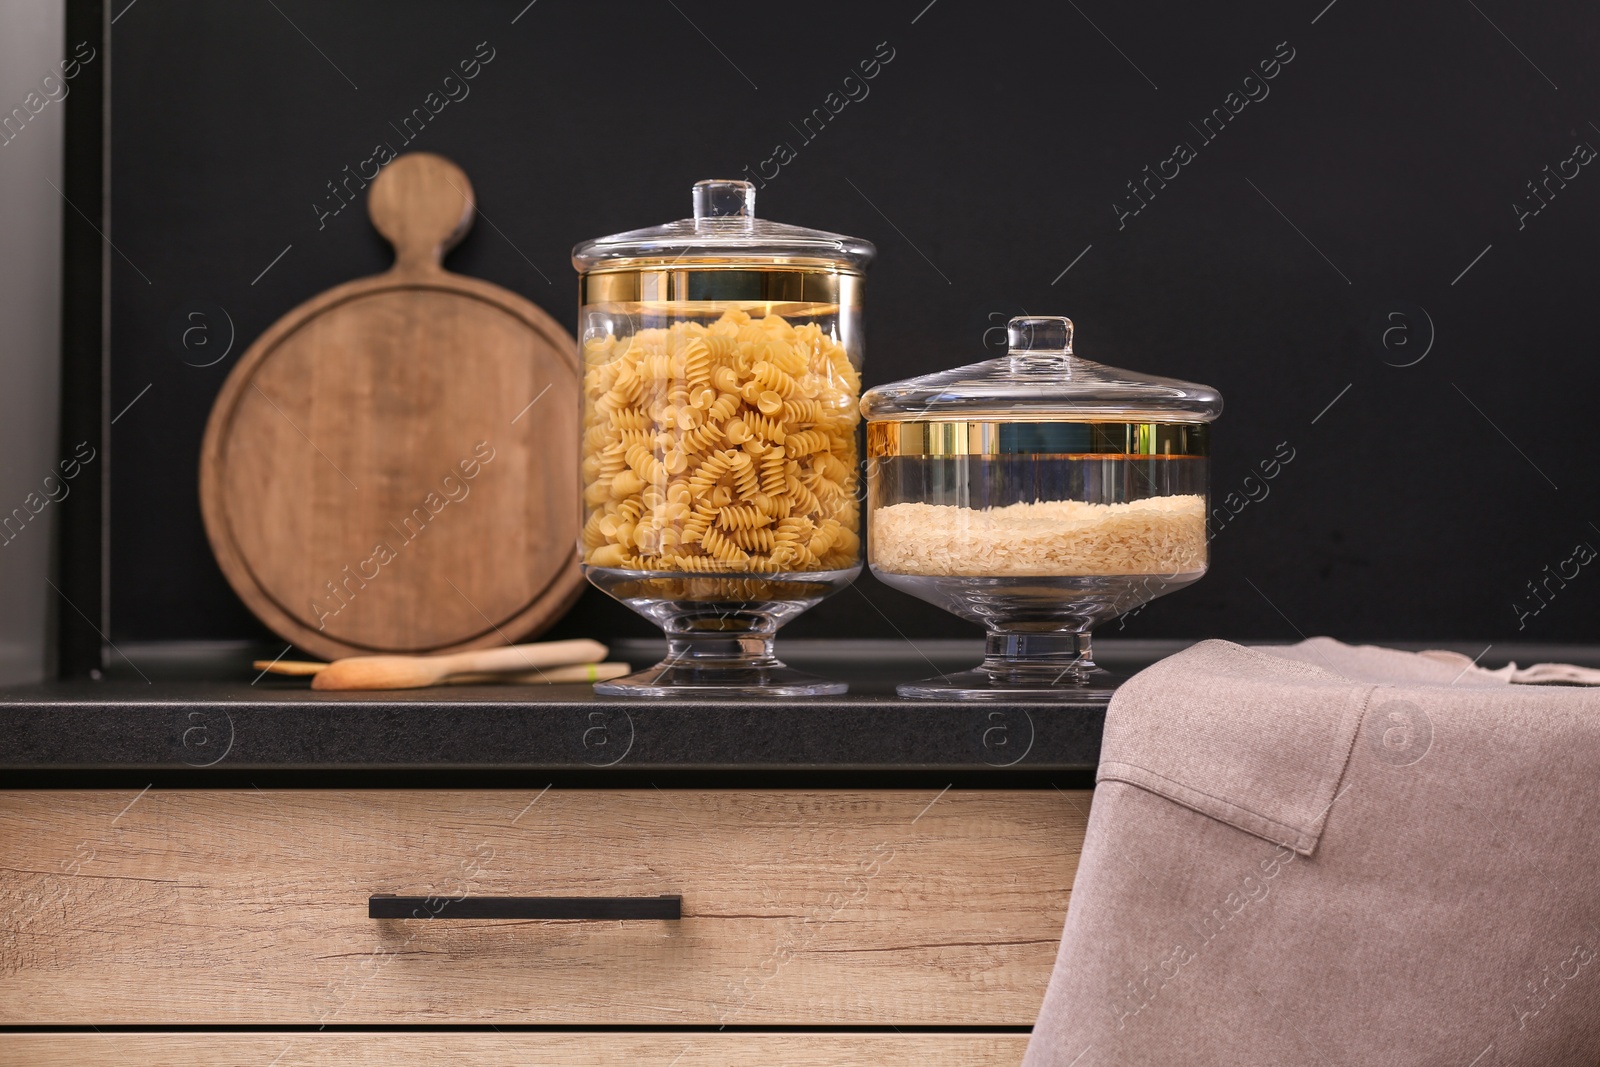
{"x": 1038, "y": 494}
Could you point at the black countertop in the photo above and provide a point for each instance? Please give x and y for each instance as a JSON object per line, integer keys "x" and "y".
{"x": 201, "y": 718}
{"x": 194, "y": 710}
{"x": 236, "y": 726}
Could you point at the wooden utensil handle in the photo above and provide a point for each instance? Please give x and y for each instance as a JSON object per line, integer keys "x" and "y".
{"x": 528, "y": 657}
{"x": 577, "y": 672}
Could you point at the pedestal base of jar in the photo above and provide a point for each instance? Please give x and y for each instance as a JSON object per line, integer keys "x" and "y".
{"x": 719, "y": 630}
{"x": 700, "y": 677}
{"x": 980, "y": 685}
{"x": 1056, "y": 667}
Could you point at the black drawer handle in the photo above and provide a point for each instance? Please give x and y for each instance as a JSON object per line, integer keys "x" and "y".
{"x": 389, "y": 906}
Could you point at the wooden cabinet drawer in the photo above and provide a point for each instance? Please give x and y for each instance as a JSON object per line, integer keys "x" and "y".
{"x": 511, "y": 1050}
{"x": 191, "y": 907}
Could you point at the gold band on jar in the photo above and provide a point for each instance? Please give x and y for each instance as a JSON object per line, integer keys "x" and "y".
{"x": 821, "y": 287}
{"x": 936, "y": 439}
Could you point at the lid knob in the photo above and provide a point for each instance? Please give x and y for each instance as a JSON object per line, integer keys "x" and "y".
{"x": 1039, "y": 333}
{"x": 721, "y": 199}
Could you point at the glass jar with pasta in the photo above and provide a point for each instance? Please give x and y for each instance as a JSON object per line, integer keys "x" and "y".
{"x": 720, "y": 423}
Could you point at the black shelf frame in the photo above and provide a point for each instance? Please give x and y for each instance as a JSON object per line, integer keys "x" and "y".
{"x": 82, "y": 607}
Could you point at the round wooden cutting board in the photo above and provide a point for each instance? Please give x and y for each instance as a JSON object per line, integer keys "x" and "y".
{"x": 393, "y": 466}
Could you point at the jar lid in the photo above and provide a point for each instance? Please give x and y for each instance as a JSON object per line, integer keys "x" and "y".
{"x": 1041, "y": 378}
{"x": 724, "y": 230}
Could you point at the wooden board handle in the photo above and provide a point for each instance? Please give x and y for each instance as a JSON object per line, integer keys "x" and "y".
{"x": 423, "y": 204}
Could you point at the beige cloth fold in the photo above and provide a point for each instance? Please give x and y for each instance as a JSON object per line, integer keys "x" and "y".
{"x": 1332, "y": 855}
{"x": 1536, "y": 674}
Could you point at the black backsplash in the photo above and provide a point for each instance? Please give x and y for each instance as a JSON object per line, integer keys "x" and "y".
{"x": 1349, "y": 249}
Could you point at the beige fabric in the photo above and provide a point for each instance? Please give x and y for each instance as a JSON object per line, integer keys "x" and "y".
{"x": 1330, "y": 855}
{"x": 1536, "y": 674}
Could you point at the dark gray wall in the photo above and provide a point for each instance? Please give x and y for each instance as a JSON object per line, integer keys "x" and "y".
{"x": 1345, "y": 260}
{"x": 30, "y": 320}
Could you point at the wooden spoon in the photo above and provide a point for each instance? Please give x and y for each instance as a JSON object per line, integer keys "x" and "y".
{"x": 576, "y": 672}
{"x": 415, "y": 672}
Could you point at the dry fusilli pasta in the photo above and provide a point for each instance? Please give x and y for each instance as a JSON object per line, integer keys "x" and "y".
{"x": 728, "y": 447}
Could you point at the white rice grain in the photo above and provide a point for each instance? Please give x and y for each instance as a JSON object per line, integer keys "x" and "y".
{"x": 1158, "y": 535}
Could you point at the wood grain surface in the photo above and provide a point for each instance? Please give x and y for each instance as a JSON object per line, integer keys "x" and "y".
{"x": 189, "y": 907}
{"x": 511, "y": 1050}
{"x": 392, "y": 466}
